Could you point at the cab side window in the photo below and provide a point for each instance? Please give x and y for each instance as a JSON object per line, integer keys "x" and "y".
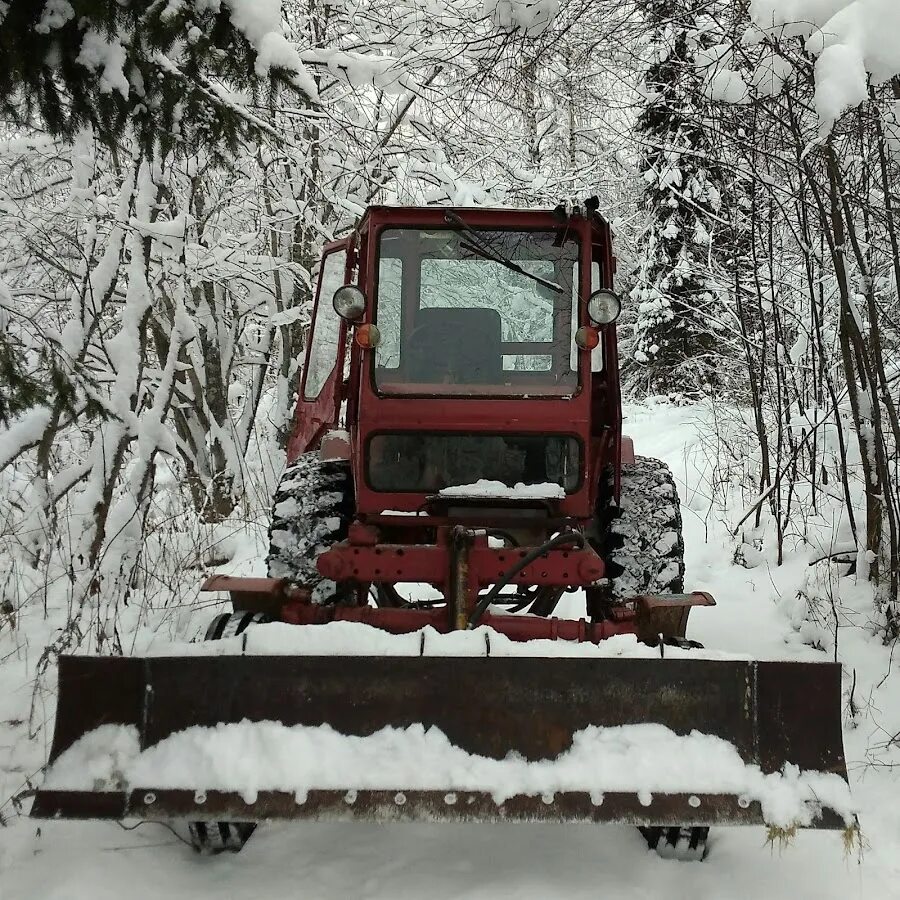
{"x": 597, "y": 352}
{"x": 323, "y": 350}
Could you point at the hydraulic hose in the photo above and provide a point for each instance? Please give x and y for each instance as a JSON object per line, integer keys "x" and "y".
{"x": 566, "y": 537}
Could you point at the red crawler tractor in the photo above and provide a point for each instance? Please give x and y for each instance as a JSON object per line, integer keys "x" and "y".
{"x": 457, "y": 461}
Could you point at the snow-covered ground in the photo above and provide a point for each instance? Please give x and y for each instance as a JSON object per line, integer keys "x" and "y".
{"x": 757, "y": 614}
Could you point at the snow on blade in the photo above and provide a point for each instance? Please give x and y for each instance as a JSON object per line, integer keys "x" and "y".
{"x": 358, "y": 639}
{"x": 248, "y": 757}
{"x": 485, "y": 488}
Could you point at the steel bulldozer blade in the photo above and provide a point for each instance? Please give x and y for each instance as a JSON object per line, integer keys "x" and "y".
{"x": 773, "y": 713}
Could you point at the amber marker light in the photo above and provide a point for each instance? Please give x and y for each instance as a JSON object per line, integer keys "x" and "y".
{"x": 587, "y": 338}
{"x": 368, "y": 337}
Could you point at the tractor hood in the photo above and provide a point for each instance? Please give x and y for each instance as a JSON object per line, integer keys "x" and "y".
{"x": 499, "y": 452}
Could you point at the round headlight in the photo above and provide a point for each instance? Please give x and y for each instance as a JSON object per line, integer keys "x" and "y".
{"x": 349, "y": 302}
{"x": 604, "y": 306}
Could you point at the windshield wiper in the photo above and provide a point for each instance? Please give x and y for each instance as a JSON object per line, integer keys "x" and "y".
{"x": 486, "y": 251}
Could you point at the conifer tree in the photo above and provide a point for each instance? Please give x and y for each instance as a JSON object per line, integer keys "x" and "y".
{"x": 170, "y": 70}
{"x": 675, "y": 342}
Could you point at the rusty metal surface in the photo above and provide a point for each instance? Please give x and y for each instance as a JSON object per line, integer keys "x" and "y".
{"x": 238, "y": 584}
{"x": 460, "y": 587}
{"x": 666, "y": 614}
{"x": 265, "y": 595}
{"x": 430, "y": 564}
{"x": 798, "y": 709}
{"x": 529, "y": 705}
{"x": 515, "y": 627}
{"x": 493, "y": 707}
{"x": 95, "y": 691}
{"x": 773, "y": 713}
{"x": 411, "y": 806}
{"x": 672, "y": 601}
{"x": 80, "y": 805}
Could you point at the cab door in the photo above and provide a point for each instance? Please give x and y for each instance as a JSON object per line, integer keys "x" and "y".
{"x": 318, "y": 406}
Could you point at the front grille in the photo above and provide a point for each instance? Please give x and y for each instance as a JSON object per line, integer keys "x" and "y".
{"x": 427, "y": 463}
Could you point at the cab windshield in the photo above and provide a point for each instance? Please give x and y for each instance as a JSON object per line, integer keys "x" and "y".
{"x": 465, "y": 311}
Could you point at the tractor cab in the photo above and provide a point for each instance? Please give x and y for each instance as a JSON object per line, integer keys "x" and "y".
{"x": 481, "y": 349}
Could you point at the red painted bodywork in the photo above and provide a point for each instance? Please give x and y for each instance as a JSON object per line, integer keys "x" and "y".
{"x": 313, "y": 418}
{"x": 386, "y": 547}
{"x": 431, "y": 564}
{"x": 516, "y": 628}
{"x": 593, "y": 414}
{"x": 596, "y": 424}
{"x": 646, "y": 616}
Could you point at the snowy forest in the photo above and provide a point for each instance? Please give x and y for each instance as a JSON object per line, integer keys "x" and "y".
{"x": 169, "y": 173}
